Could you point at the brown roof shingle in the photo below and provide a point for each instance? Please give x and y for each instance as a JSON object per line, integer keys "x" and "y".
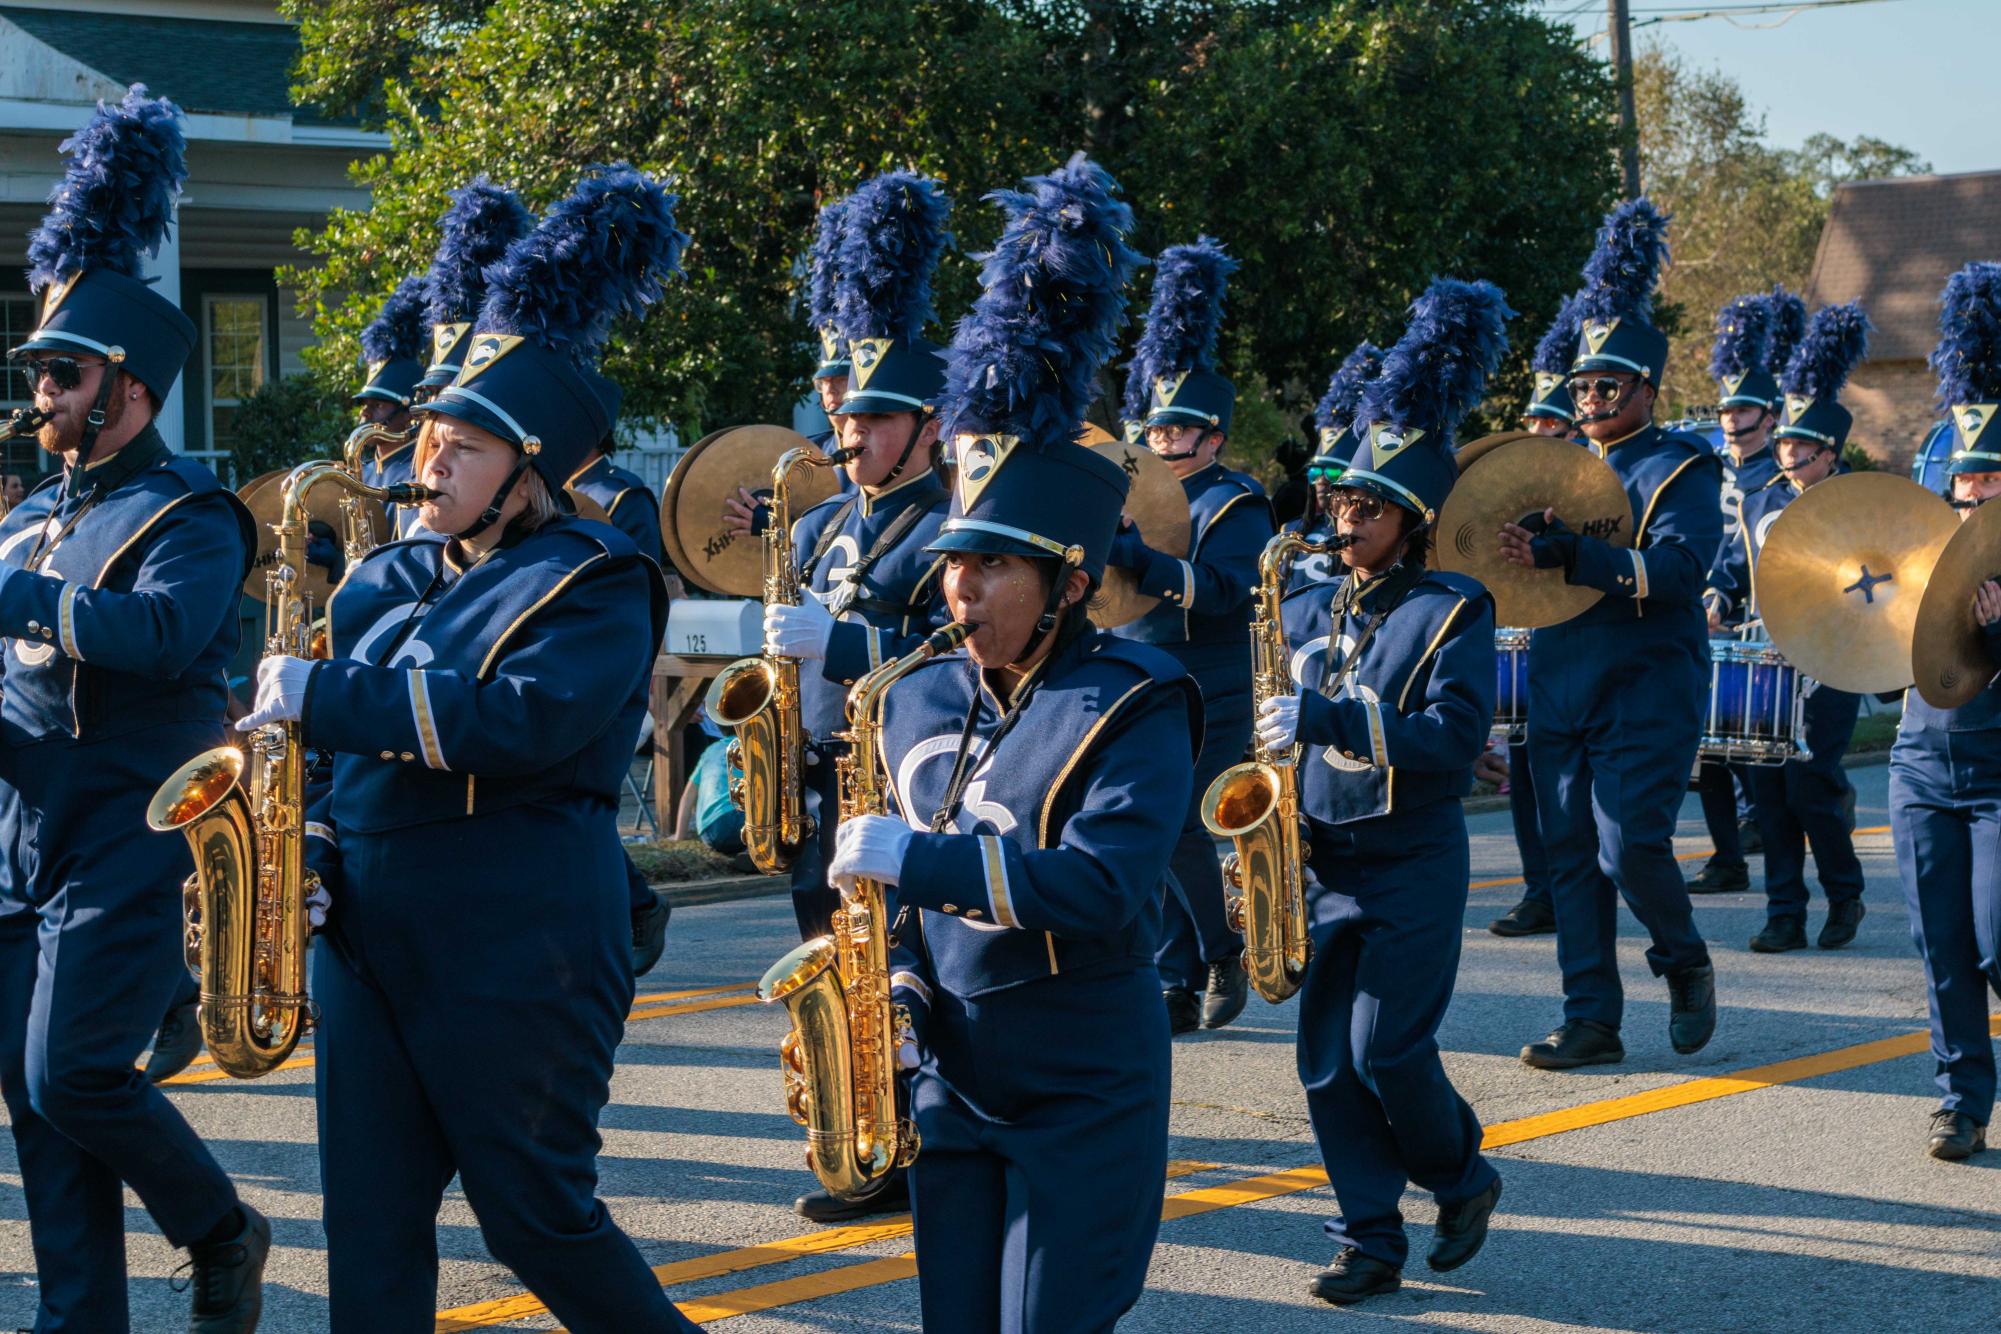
{"x": 1892, "y": 244}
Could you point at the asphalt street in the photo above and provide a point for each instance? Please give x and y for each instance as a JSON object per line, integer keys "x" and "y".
{"x": 1775, "y": 1181}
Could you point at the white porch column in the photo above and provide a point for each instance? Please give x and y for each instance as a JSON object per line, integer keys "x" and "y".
{"x": 166, "y": 267}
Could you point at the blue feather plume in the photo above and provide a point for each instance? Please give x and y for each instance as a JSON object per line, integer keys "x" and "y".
{"x": 607, "y": 249}
{"x": 1558, "y": 348}
{"x": 1743, "y": 336}
{"x": 1437, "y": 372}
{"x": 822, "y": 273}
{"x": 1788, "y": 325}
{"x": 116, "y": 198}
{"x": 398, "y": 329}
{"x": 482, "y": 220}
{"x": 1336, "y": 410}
{"x": 1025, "y": 360}
{"x": 892, "y": 232}
{"x": 1619, "y": 277}
{"x": 1967, "y": 359}
{"x": 1836, "y": 339}
{"x": 1181, "y": 326}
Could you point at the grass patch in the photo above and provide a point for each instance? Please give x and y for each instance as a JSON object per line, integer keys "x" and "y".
{"x": 674, "y": 862}
{"x": 1873, "y": 732}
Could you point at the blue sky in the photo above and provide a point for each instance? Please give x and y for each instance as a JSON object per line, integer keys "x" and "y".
{"x": 1920, "y": 73}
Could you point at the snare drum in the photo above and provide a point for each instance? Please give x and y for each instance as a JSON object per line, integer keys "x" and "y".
{"x": 1511, "y": 694}
{"x": 1757, "y": 705}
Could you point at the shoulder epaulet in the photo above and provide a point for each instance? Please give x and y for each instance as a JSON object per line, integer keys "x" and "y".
{"x": 1463, "y": 585}
{"x": 1694, "y": 444}
{"x": 191, "y": 473}
{"x": 1143, "y": 658}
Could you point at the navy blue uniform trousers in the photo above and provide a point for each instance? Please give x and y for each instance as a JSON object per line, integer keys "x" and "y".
{"x": 1613, "y": 726}
{"x": 1043, "y": 1111}
{"x": 1387, "y": 906}
{"x": 1716, "y": 784}
{"x": 813, "y": 899}
{"x": 1528, "y": 832}
{"x": 473, "y": 984}
{"x": 1195, "y": 929}
{"x": 90, "y": 959}
{"x": 1945, "y": 814}
{"x": 1804, "y": 803}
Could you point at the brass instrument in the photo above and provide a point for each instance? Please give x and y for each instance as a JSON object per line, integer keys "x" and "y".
{"x": 357, "y": 528}
{"x": 24, "y": 421}
{"x": 839, "y": 1059}
{"x": 758, "y": 698}
{"x": 245, "y": 904}
{"x": 1256, "y": 804}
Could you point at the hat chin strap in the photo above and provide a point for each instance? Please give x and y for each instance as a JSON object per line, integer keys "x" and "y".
{"x": 93, "y": 421}
{"x": 1052, "y": 608}
{"x": 491, "y": 514}
{"x": 916, "y": 429}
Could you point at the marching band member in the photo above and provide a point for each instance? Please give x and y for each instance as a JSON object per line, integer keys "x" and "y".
{"x": 392, "y": 353}
{"x": 1332, "y": 417}
{"x": 1945, "y": 795}
{"x": 481, "y": 704}
{"x": 1204, "y": 615}
{"x": 1616, "y": 694}
{"x": 119, "y": 581}
{"x": 1034, "y": 775}
{"x": 482, "y": 220}
{"x": 830, "y": 377}
{"x": 1747, "y": 409}
{"x": 1550, "y": 412}
{"x": 1396, "y": 671}
{"x": 1810, "y": 801}
{"x": 864, "y": 556}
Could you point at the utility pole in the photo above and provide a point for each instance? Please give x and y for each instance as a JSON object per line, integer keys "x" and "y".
{"x": 1619, "y": 28}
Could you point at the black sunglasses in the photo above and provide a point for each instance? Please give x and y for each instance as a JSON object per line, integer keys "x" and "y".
{"x": 65, "y": 372}
{"x": 1606, "y": 387}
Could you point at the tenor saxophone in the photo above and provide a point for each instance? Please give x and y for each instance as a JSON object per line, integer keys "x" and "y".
{"x": 839, "y": 1059}
{"x": 245, "y": 904}
{"x": 758, "y": 699}
{"x": 357, "y": 521}
{"x": 1256, "y": 804}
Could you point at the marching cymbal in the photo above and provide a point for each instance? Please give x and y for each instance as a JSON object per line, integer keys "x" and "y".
{"x": 1159, "y": 508}
{"x": 1094, "y": 434}
{"x": 706, "y": 553}
{"x": 1473, "y": 451}
{"x": 1841, "y": 575}
{"x": 262, "y": 497}
{"x": 675, "y": 556}
{"x": 1510, "y": 483}
{"x": 1949, "y": 654}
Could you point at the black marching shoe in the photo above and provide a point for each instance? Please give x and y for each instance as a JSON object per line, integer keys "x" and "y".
{"x": 1354, "y": 1276}
{"x": 1229, "y": 990}
{"x": 892, "y": 1198}
{"x": 1750, "y": 838}
{"x": 1842, "y": 919}
{"x": 1956, "y": 1137}
{"x": 177, "y": 1043}
{"x": 1184, "y": 1011}
{"x": 1691, "y": 1008}
{"x": 1530, "y": 917}
{"x": 1714, "y": 879}
{"x": 1778, "y": 935}
{"x": 649, "y": 934}
{"x": 1578, "y": 1042}
{"x": 228, "y": 1278}
{"x": 1462, "y": 1229}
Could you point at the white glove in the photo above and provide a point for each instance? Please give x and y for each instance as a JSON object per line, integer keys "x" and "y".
{"x": 798, "y": 632}
{"x": 1278, "y": 724}
{"x": 906, "y": 1048}
{"x": 317, "y": 904}
{"x": 281, "y": 693}
{"x": 868, "y": 847}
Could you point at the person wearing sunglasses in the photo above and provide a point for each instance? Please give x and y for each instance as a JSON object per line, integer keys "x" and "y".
{"x": 1396, "y": 674}
{"x": 1332, "y": 419}
{"x": 1204, "y": 615}
{"x": 1616, "y": 694}
{"x": 119, "y": 582}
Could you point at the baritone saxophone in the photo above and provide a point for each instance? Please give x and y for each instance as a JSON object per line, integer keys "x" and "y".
{"x": 839, "y": 1060}
{"x": 1256, "y": 804}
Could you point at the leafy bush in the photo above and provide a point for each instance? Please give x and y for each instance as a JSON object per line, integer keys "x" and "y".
{"x": 286, "y": 422}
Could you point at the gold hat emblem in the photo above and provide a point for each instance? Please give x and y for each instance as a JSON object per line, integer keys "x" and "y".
{"x": 1796, "y": 406}
{"x": 487, "y": 348}
{"x": 375, "y": 369}
{"x": 980, "y": 460}
{"x": 53, "y": 297}
{"x": 1596, "y": 334}
{"x": 1165, "y": 387}
{"x": 1731, "y": 383}
{"x": 1972, "y": 419}
{"x": 1547, "y": 383}
{"x": 865, "y": 355}
{"x": 830, "y": 344}
{"x": 1386, "y": 442}
{"x": 445, "y": 337}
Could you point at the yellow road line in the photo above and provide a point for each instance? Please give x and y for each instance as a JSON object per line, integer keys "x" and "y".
{"x": 692, "y": 993}
{"x": 1251, "y": 1190}
{"x": 209, "y": 1076}
{"x": 690, "y": 1007}
{"x": 505, "y": 1310}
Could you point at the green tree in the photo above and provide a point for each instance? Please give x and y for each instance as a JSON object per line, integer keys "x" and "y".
{"x": 286, "y": 422}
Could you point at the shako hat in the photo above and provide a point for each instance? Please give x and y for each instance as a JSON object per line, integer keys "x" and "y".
{"x": 1616, "y": 302}
{"x": 1836, "y": 338}
{"x": 111, "y": 209}
{"x": 892, "y": 232}
{"x": 1432, "y": 377}
{"x": 1740, "y": 358}
{"x": 1334, "y": 415}
{"x": 1551, "y": 365}
{"x": 1021, "y": 370}
{"x": 1967, "y": 362}
{"x": 1172, "y": 380}
{"x": 482, "y": 220}
{"x": 393, "y": 346}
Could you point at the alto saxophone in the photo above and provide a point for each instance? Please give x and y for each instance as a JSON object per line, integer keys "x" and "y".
{"x": 839, "y": 1059}
{"x": 1256, "y": 804}
{"x": 358, "y": 536}
{"x": 245, "y": 904}
{"x": 758, "y": 699}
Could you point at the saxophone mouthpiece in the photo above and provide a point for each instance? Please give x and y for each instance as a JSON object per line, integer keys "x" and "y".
{"x": 845, "y": 454}
{"x": 1340, "y": 541}
{"x": 951, "y": 637}
{"x": 409, "y": 493}
{"x": 23, "y": 421}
